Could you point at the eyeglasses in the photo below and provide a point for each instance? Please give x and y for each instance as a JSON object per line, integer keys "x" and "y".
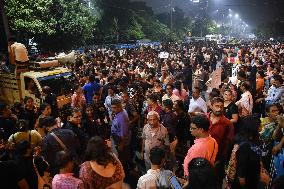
{"x": 193, "y": 128}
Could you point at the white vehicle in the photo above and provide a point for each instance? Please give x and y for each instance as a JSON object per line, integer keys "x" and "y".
{"x": 212, "y": 37}
{"x": 28, "y": 81}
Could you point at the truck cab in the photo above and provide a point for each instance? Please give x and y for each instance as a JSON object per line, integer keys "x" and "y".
{"x": 28, "y": 81}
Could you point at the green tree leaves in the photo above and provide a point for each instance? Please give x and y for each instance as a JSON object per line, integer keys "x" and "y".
{"x": 54, "y": 24}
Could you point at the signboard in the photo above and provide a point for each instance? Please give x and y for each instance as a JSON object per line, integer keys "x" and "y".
{"x": 164, "y": 55}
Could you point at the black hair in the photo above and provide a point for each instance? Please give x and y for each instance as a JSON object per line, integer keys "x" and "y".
{"x": 246, "y": 85}
{"x": 22, "y": 147}
{"x": 43, "y": 106}
{"x": 27, "y": 98}
{"x": 178, "y": 86}
{"x": 22, "y": 125}
{"x": 261, "y": 73}
{"x": 98, "y": 151}
{"x": 242, "y": 74}
{"x": 110, "y": 78}
{"x": 201, "y": 174}
{"x": 157, "y": 155}
{"x": 197, "y": 88}
{"x": 214, "y": 93}
{"x": 267, "y": 108}
{"x": 168, "y": 103}
{"x": 46, "y": 90}
{"x": 217, "y": 100}
{"x": 48, "y": 122}
{"x": 278, "y": 183}
{"x": 153, "y": 97}
{"x": 201, "y": 121}
{"x": 75, "y": 110}
{"x": 115, "y": 102}
{"x": 92, "y": 78}
{"x": 3, "y": 107}
{"x": 249, "y": 127}
{"x": 278, "y": 78}
{"x": 170, "y": 86}
{"x": 12, "y": 39}
{"x": 180, "y": 104}
{"x": 62, "y": 159}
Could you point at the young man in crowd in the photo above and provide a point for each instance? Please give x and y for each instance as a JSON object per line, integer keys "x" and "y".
{"x": 222, "y": 130}
{"x": 204, "y": 145}
{"x": 197, "y": 105}
{"x": 156, "y": 176}
{"x": 120, "y": 132}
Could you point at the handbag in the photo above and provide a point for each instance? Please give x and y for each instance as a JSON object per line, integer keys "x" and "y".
{"x": 231, "y": 168}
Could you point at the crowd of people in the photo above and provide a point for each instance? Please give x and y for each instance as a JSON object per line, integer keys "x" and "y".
{"x": 137, "y": 120}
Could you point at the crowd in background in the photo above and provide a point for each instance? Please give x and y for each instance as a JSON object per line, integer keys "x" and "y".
{"x": 137, "y": 119}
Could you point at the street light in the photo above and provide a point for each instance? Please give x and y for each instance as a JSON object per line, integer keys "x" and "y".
{"x": 236, "y": 15}
{"x": 230, "y": 15}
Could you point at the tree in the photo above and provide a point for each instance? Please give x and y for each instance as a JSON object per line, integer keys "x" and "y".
{"x": 135, "y": 20}
{"x": 54, "y": 24}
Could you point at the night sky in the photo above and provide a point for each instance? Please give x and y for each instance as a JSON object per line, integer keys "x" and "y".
{"x": 253, "y": 12}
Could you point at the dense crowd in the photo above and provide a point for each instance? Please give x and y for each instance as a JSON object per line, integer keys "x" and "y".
{"x": 209, "y": 116}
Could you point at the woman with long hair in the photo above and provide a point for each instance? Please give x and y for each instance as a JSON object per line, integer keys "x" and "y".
{"x": 102, "y": 170}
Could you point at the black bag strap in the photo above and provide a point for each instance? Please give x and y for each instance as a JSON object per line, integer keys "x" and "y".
{"x": 59, "y": 141}
{"x": 30, "y": 137}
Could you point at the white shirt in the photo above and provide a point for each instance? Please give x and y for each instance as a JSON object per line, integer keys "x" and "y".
{"x": 108, "y": 101}
{"x": 197, "y": 104}
{"x": 274, "y": 94}
{"x": 246, "y": 102}
{"x": 149, "y": 180}
{"x": 20, "y": 51}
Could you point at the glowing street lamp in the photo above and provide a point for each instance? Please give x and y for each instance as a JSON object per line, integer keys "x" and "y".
{"x": 236, "y": 15}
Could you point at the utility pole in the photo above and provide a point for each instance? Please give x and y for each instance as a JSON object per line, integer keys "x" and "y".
{"x": 171, "y": 6}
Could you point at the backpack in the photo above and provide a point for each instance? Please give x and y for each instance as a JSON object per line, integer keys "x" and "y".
{"x": 162, "y": 181}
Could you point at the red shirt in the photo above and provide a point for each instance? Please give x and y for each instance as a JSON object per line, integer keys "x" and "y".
{"x": 222, "y": 132}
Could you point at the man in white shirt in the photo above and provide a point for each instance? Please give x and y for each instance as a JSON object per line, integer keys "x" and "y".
{"x": 197, "y": 105}
{"x": 17, "y": 51}
{"x": 275, "y": 91}
{"x": 156, "y": 177}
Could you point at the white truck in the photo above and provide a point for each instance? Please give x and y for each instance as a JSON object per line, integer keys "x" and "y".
{"x": 28, "y": 81}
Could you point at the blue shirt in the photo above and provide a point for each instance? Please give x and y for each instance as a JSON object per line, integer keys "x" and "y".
{"x": 120, "y": 126}
{"x": 90, "y": 89}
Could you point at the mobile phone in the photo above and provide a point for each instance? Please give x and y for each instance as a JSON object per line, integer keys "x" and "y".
{"x": 174, "y": 182}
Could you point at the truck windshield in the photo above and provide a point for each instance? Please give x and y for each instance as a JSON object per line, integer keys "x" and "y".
{"x": 60, "y": 84}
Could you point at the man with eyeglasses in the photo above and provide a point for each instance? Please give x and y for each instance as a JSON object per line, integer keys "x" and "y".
{"x": 204, "y": 145}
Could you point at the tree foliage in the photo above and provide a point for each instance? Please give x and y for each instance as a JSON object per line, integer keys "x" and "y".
{"x": 54, "y": 24}
{"x": 269, "y": 29}
{"x": 65, "y": 24}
